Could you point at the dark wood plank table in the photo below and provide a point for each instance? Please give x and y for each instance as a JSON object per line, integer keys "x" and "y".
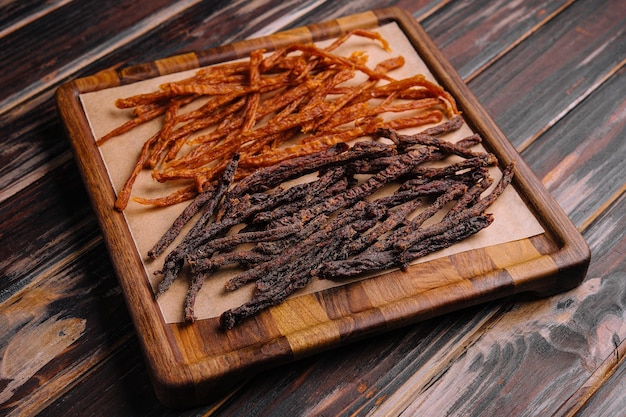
{"x": 551, "y": 73}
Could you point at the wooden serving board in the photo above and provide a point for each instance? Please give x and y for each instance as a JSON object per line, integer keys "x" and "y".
{"x": 191, "y": 364}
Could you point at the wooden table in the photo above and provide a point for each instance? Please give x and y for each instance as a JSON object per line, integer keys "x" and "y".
{"x": 551, "y": 73}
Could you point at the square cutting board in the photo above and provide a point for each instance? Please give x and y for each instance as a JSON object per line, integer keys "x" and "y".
{"x": 192, "y": 364}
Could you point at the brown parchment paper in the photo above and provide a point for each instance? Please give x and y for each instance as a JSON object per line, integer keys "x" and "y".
{"x": 513, "y": 220}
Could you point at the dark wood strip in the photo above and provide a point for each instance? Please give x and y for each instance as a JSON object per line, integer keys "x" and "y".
{"x": 473, "y": 35}
{"x": 30, "y": 144}
{"x": 121, "y": 387}
{"x": 531, "y": 87}
{"x": 585, "y": 152}
{"x": 602, "y": 394}
{"x": 75, "y": 314}
{"x": 15, "y": 14}
{"x": 333, "y": 9}
{"x": 77, "y": 30}
{"x": 609, "y": 399}
{"x": 60, "y": 200}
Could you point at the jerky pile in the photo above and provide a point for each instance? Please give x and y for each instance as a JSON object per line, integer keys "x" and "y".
{"x": 333, "y": 226}
{"x": 294, "y": 101}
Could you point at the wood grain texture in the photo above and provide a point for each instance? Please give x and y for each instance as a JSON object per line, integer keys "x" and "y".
{"x": 585, "y": 151}
{"x": 474, "y": 40}
{"x": 15, "y": 14}
{"x": 70, "y": 28}
{"x": 107, "y": 374}
{"x": 540, "y": 348}
{"x": 602, "y": 393}
{"x": 566, "y": 60}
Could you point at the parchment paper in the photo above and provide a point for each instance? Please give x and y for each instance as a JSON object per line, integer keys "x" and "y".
{"x": 513, "y": 220}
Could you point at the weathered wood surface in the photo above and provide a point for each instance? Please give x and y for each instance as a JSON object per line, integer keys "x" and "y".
{"x": 551, "y": 74}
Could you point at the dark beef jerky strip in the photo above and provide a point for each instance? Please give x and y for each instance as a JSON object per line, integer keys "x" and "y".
{"x": 294, "y": 276}
{"x": 200, "y": 274}
{"x": 471, "y": 196}
{"x": 446, "y": 239}
{"x": 170, "y": 271}
{"x": 406, "y": 141}
{"x": 337, "y": 235}
{"x": 331, "y": 181}
{"x": 451, "y": 125}
{"x": 478, "y": 208}
{"x": 452, "y": 186}
{"x": 371, "y": 166}
{"x": 207, "y": 199}
{"x": 229, "y": 242}
{"x": 402, "y": 164}
{"x": 287, "y": 210}
{"x": 377, "y": 261}
{"x": 368, "y": 237}
{"x": 408, "y": 227}
{"x": 245, "y": 209}
{"x": 417, "y": 190}
{"x": 296, "y": 251}
{"x": 174, "y": 261}
{"x": 230, "y": 318}
{"x": 441, "y": 129}
{"x": 400, "y": 215}
{"x": 190, "y": 299}
{"x": 283, "y": 259}
{"x": 242, "y": 257}
{"x": 172, "y": 233}
{"x": 269, "y": 177}
{"x": 225, "y": 182}
{"x": 424, "y": 174}
{"x": 306, "y": 229}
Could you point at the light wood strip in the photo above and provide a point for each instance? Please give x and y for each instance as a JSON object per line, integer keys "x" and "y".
{"x": 44, "y": 10}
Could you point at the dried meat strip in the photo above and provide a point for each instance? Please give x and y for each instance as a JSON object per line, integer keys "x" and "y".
{"x": 328, "y": 184}
{"x": 296, "y": 251}
{"x": 393, "y": 219}
{"x": 390, "y": 258}
{"x": 190, "y": 299}
{"x": 406, "y": 228}
{"x": 269, "y": 177}
{"x": 445, "y": 239}
{"x": 398, "y": 167}
{"x": 242, "y": 257}
{"x": 472, "y": 195}
{"x": 183, "y": 218}
{"x": 202, "y": 259}
{"x": 305, "y": 230}
{"x": 449, "y": 126}
{"x": 410, "y": 200}
{"x": 288, "y": 277}
{"x": 208, "y": 199}
{"x": 477, "y": 209}
{"x": 174, "y": 261}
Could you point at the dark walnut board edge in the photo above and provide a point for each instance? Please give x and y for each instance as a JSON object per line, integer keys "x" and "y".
{"x": 192, "y": 364}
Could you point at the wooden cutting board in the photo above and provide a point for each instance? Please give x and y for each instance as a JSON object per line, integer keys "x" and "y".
{"x": 191, "y": 364}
